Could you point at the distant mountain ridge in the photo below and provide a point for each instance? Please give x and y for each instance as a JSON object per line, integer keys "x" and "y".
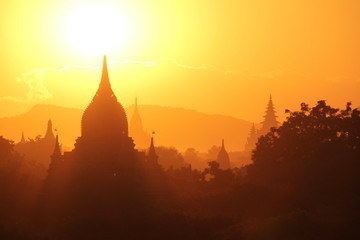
{"x": 178, "y": 127}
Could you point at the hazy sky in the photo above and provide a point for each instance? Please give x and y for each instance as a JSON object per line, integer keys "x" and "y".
{"x": 214, "y": 56}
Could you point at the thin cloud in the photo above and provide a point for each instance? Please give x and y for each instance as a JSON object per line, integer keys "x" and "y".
{"x": 268, "y": 75}
{"x": 36, "y": 87}
{"x": 203, "y": 67}
{"x": 35, "y": 82}
{"x": 145, "y": 64}
{"x": 37, "y": 90}
{"x": 159, "y": 61}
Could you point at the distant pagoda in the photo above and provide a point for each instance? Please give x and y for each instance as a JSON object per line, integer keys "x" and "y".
{"x": 152, "y": 157}
{"x": 269, "y": 122}
{"x": 49, "y": 135}
{"x": 22, "y": 138}
{"x": 269, "y": 118}
{"x": 136, "y": 129}
{"x": 223, "y": 157}
{"x": 252, "y": 139}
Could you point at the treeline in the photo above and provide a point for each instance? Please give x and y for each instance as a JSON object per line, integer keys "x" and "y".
{"x": 303, "y": 184}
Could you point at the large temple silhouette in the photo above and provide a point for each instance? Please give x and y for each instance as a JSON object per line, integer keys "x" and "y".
{"x": 104, "y": 126}
{"x": 104, "y": 131}
{"x": 104, "y": 176}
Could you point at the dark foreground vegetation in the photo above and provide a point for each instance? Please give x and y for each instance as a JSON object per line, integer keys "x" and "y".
{"x": 303, "y": 184}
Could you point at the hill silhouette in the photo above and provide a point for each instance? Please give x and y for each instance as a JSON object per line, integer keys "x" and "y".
{"x": 34, "y": 122}
{"x": 178, "y": 127}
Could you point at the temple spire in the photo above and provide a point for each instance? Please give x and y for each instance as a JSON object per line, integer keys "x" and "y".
{"x": 223, "y": 157}
{"x": 137, "y": 132}
{"x": 105, "y": 86}
{"x": 269, "y": 118}
{"x": 57, "y": 151}
{"x": 22, "y": 138}
{"x": 152, "y": 143}
{"x": 136, "y": 105}
{"x": 152, "y": 157}
{"x": 56, "y": 157}
{"x": 49, "y": 132}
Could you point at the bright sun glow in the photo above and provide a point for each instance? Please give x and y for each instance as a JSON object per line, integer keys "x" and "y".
{"x": 97, "y": 29}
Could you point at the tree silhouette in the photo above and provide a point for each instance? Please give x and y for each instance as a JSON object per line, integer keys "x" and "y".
{"x": 319, "y": 132}
{"x": 311, "y": 164}
{"x": 6, "y": 148}
{"x": 169, "y": 157}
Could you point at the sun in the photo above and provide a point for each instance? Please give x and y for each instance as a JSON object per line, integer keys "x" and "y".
{"x": 97, "y": 29}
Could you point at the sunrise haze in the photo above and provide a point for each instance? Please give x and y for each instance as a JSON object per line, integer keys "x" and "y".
{"x": 182, "y": 54}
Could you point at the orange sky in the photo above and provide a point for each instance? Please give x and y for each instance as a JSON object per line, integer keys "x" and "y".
{"x": 222, "y": 57}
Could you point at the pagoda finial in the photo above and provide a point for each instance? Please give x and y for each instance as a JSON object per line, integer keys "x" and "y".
{"x": 136, "y": 104}
{"x": 105, "y": 74}
{"x": 222, "y": 144}
{"x": 105, "y": 87}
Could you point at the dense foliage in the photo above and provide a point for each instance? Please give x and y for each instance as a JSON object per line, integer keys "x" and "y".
{"x": 303, "y": 184}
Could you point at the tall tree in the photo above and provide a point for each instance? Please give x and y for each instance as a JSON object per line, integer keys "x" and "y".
{"x": 310, "y": 165}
